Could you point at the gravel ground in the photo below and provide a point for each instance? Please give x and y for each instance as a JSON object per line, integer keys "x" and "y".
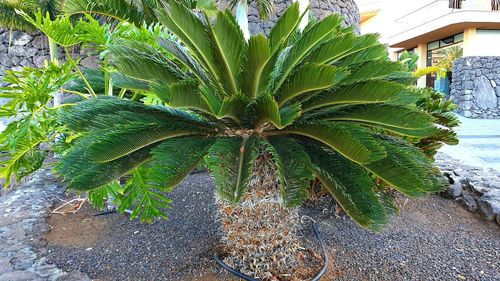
{"x": 432, "y": 239}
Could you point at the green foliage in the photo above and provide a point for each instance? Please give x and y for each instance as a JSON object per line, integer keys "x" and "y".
{"x": 11, "y": 19}
{"x": 35, "y": 121}
{"x": 323, "y": 103}
{"x": 409, "y": 60}
{"x": 441, "y": 108}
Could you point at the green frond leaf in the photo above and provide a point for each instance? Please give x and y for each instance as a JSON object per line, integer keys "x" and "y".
{"x": 284, "y": 27}
{"x": 228, "y": 45}
{"x": 310, "y": 78}
{"x": 146, "y": 202}
{"x": 182, "y": 54}
{"x": 352, "y": 141}
{"x": 372, "y": 70}
{"x": 231, "y": 164}
{"x": 406, "y": 168}
{"x": 306, "y": 44}
{"x": 350, "y": 185}
{"x": 333, "y": 50}
{"x": 60, "y": 30}
{"x": 173, "y": 159}
{"x": 141, "y": 61}
{"x": 135, "y": 12}
{"x": 375, "y": 91}
{"x": 82, "y": 172}
{"x": 294, "y": 167}
{"x": 258, "y": 54}
{"x": 398, "y": 119}
{"x": 186, "y": 94}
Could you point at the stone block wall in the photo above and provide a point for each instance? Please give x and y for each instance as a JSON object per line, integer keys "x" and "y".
{"x": 319, "y": 8}
{"x": 475, "y": 87}
{"x": 19, "y": 49}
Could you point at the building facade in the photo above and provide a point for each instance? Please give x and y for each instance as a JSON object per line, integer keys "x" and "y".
{"x": 430, "y": 27}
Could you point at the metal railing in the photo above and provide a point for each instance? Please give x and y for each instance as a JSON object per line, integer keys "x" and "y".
{"x": 438, "y": 9}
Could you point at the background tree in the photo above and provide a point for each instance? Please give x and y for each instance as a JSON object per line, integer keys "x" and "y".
{"x": 268, "y": 115}
{"x": 11, "y": 19}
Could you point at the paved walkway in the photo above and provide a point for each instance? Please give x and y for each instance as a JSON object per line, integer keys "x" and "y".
{"x": 22, "y": 228}
{"x": 479, "y": 143}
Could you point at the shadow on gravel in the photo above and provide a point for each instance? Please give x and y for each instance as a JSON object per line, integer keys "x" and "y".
{"x": 432, "y": 239}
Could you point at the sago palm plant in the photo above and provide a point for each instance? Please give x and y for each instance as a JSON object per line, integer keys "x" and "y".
{"x": 269, "y": 115}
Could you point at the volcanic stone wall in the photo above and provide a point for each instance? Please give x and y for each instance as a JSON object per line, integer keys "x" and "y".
{"x": 475, "y": 87}
{"x": 319, "y": 8}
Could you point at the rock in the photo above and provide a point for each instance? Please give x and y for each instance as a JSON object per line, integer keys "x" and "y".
{"x": 485, "y": 94}
{"x": 15, "y": 60}
{"x": 18, "y": 276}
{"x": 39, "y": 61}
{"x": 469, "y": 202}
{"x": 22, "y": 51}
{"x": 40, "y": 42}
{"x": 90, "y": 62}
{"x": 74, "y": 276}
{"x": 5, "y": 60}
{"x": 455, "y": 190}
{"x": 489, "y": 205}
{"x": 20, "y": 38}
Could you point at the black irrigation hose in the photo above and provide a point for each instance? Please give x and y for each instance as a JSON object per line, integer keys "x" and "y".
{"x": 248, "y": 278}
{"x": 105, "y": 213}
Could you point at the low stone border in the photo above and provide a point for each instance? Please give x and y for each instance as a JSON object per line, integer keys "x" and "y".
{"x": 22, "y": 228}
{"x": 477, "y": 189}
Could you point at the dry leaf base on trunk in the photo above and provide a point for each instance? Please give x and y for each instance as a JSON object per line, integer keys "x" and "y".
{"x": 259, "y": 234}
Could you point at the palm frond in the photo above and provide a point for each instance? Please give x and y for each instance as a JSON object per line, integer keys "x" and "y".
{"x": 231, "y": 163}
{"x": 307, "y": 43}
{"x": 134, "y": 11}
{"x": 369, "y": 92}
{"x": 352, "y": 141}
{"x": 398, "y": 119}
{"x": 284, "y": 27}
{"x": 350, "y": 185}
{"x": 303, "y": 82}
{"x": 257, "y": 55}
{"x": 406, "y": 169}
{"x": 228, "y": 48}
{"x": 84, "y": 173}
{"x": 294, "y": 167}
{"x": 141, "y": 61}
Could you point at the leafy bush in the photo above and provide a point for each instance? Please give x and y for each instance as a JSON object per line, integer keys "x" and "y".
{"x": 319, "y": 104}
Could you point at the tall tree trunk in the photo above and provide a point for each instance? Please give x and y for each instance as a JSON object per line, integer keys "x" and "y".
{"x": 242, "y": 18}
{"x": 260, "y": 233}
{"x": 303, "y": 5}
{"x": 495, "y": 5}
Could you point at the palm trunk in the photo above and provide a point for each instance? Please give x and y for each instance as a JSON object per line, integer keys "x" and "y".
{"x": 303, "y": 5}
{"x": 260, "y": 233}
{"x": 495, "y": 5}
{"x": 242, "y": 18}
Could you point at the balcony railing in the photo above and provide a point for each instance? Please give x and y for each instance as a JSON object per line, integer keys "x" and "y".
{"x": 440, "y": 8}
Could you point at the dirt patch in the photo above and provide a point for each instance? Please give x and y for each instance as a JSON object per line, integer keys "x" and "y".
{"x": 76, "y": 230}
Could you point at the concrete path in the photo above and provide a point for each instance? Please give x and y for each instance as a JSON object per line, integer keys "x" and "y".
{"x": 479, "y": 143}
